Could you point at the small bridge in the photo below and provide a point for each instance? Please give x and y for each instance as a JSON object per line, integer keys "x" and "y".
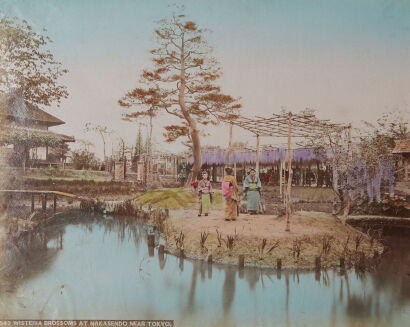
{"x": 44, "y": 196}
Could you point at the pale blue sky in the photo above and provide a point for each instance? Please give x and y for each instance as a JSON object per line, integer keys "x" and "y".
{"x": 349, "y": 59}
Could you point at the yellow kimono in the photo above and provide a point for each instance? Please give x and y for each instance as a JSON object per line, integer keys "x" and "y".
{"x": 231, "y": 203}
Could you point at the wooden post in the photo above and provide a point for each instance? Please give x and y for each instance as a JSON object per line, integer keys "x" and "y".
{"x": 289, "y": 186}
{"x": 317, "y": 263}
{"x": 280, "y": 179}
{"x": 32, "y": 203}
{"x": 229, "y": 150}
{"x": 279, "y": 264}
{"x": 151, "y": 251}
{"x": 151, "y": 240}
{"x": 241, "y": 261}
{"x": 362, "y": 261}
{"x": 349, "y": 144}
{"x": 257, "y": 155}
{"x": 44, "y": 201}
{"x": 342, "y": 263}
{"x": 55, "y": 203}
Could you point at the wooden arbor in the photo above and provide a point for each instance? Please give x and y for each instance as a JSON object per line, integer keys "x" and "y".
{"x": 290, "y": 125}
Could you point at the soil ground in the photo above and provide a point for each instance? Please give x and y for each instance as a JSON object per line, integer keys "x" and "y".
{"x": 309, "y": 229}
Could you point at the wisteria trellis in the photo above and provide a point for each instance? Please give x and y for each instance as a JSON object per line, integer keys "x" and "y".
{"x": 364, "y": 181}
{"x": 217, "y": 157}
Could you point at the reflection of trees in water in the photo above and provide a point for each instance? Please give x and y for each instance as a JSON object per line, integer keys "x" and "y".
{"x": 126, "y": 228}
{"x": 192, "y": 288}
{"x": 388, "y": 285}
{"x": 28, "y": 255}
{"x": 34, "y": 251}
{"x": 287, "y": 298}
{"x": 362, "y": 304}
{"x": 252, "y": 277}
{"x": 162, "y": 260}
{"x": 392, "y": 274}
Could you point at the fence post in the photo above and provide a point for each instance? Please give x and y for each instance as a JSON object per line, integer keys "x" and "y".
{"x": 44, "y": 201}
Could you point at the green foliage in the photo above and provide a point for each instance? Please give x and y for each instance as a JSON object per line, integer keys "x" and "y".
{"x": 81, "y": 187}
{"x": 59, "y": 152}
{"x": 181, "y": 82}
{"x": 396, "y": 206}
{"x": 139, "y": 145}
{"x": 27, "y": 66}
{"x": 83, "y": 159}
{"x": 31, "y": 140}
{"x": 377, "y": 144}
{"x": 56, "y": 174}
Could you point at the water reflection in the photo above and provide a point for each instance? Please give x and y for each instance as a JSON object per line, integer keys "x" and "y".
{"x": 102, "y": 268}
{"x": 228, "y": 290}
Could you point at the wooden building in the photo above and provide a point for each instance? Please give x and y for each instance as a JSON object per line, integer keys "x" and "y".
{"x": 403, "y": 150}
{"x": 25, "y": 135}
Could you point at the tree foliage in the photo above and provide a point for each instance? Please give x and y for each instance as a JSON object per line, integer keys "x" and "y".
{"x": 26, "y": 64}
{"x": 378, "y": 140}
{"x": 103, "y": 131}
{"x": 59, "y": 152}
{"x": 139, "y": 145}
{"x": 84, "y": 159}
{"x": 29, "y": 140}
{"x": 182, "y": 83}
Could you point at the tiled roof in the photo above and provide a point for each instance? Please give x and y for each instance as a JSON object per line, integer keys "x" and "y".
{"x": 14, "y": 106}
{"x": 402, "y": 147}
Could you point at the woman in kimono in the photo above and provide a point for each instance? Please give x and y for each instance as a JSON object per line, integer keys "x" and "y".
{"x": 204, "y": 195}
{"x": 252, "y": 186}
{"x": 230, "y": 193}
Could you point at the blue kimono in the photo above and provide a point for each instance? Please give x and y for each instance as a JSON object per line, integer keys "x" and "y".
{"x": 253, "y": 196}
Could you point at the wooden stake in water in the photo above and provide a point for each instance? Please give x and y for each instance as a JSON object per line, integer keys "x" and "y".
{"x": 279, "y": 264}
{"x": 317, "y": 263}
{"x": 241, "y": 261}
{"x": 151, "y": 240}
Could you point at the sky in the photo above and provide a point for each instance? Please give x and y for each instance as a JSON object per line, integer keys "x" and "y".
{"x": 348, "y": 59}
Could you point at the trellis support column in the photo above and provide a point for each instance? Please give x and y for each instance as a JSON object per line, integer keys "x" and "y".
{"x": 349, "y": 135}
{"x": 289, "y": 186}
{"x": 229, "y": 150}
{"x": 257, "y": 155}
{"x": 280, "y": 179}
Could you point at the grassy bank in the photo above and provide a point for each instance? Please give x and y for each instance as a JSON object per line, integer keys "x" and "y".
{"x": 66, "y": 174}
{"x": 82, "y": 187}
{"x": 174, "y": 198}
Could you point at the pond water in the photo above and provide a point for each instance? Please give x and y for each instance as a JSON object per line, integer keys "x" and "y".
{"x": 91, "y": 267}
